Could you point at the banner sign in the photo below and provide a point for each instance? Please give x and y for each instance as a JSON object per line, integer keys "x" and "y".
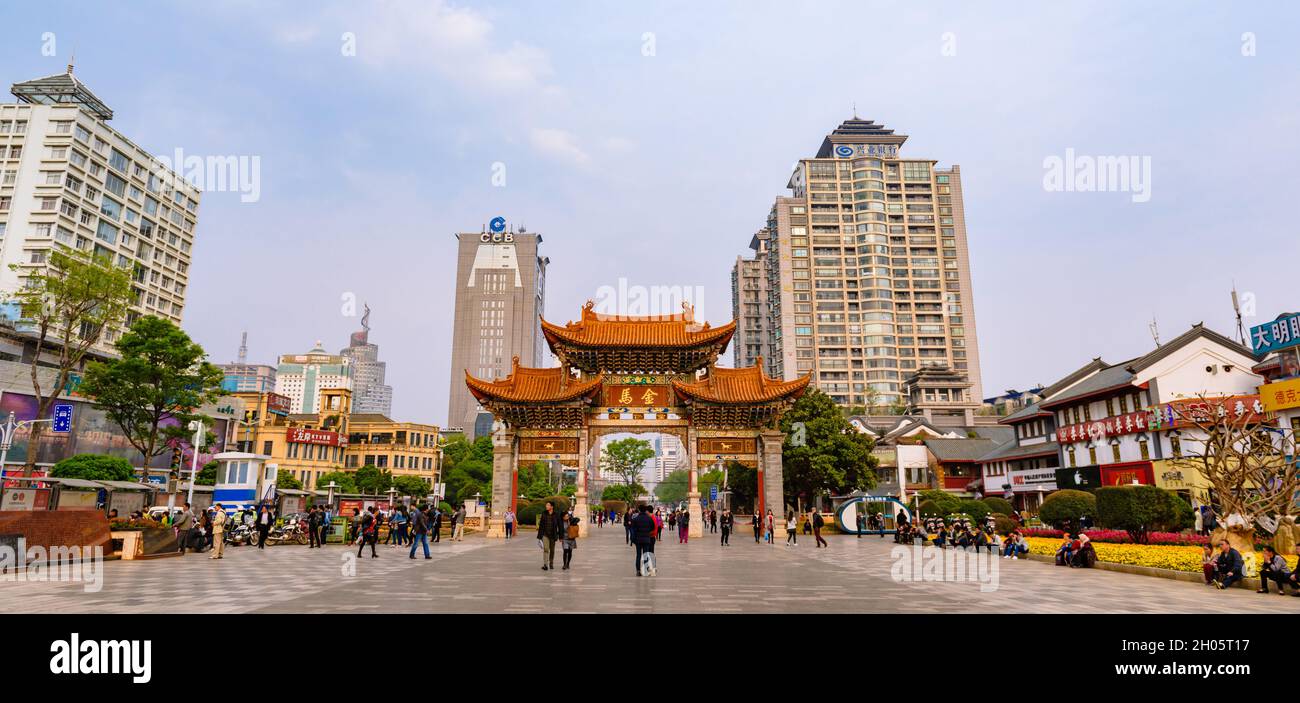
{"x": 301, "y": 435}
{"x": 1282, "y": 333}
{"x": 626, "y": 396}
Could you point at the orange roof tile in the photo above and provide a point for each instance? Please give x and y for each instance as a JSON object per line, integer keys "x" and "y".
{"x": 740, "y": 386}
{"x": 596, "y": 330}
{"x": 528, "y": 385}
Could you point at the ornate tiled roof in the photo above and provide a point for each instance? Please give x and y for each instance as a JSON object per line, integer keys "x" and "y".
{"x": 659, "y": 331}
{"x": 528, "y": 385}
{"x": 741, "y": 386}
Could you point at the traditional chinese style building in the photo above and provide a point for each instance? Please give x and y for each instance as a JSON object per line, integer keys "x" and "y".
{"x": 1126, "y": 423}
{"x": 621, "y": 374}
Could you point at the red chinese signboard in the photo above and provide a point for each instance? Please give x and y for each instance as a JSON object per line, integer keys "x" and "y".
{"x": 301, "y": 435}
{"x": 1166, "y": 416}
{"x": 278, "y": 404}
{"x": 1127, "y": 474}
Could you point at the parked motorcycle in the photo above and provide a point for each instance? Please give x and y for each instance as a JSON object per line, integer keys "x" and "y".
{"x": 242, "y": 534}
{"x": 294, "y": 529}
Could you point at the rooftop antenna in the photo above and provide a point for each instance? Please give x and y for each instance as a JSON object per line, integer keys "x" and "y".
{"x": 1155, "y": 330}
{"x": 855, "y": 109}
{"x": 71, "y": 61}
{"x": 1236, "y": 309}
{"x": 243, "y": 348}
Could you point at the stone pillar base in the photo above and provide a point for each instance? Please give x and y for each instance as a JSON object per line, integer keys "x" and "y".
{"x": 693, "y": 509}
{"x": 497, "y": 530}
{"x": 583, "y": 513}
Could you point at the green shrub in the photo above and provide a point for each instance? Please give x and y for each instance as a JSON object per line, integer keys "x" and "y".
{"x": 944, "y": 501}
{"x": 94, "y": 467}
{"x": 617, "y": 506}
{"x": 928, "y": 508}
{"x": 977, "y": 510}
{"x": 562, "y": 503}
{"x": 1139, "y": 510}
{"x": 1062, "y": 509}
{"x": 526, "y": 512}
{"x": 999, "y": 505}
{"x": 1003, "y": 524}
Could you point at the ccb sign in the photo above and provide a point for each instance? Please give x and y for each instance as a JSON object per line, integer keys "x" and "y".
{"x": 497, "y": 237}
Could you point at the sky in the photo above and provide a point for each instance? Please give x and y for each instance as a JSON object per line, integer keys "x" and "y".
{"x": 647, "y": 141}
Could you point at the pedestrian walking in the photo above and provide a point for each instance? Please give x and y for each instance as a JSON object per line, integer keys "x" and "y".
{"x": 184, "y": 527}
{"x": 771, "y": 526}
{"x": 326, "y": 524}
{"x": 627, "y": 526}
{"x": 862, "y": 523}
{"x": 218, "y": 532}
{"x": 436, "y": 526}
{"x": 510, "y": 523}
{"x": 683, "y": 528}
{"x": 659, "y": 525}
{"x": 791, "y": 530}
{"x": 818, "y": 522}
{"x": 757, "y": 519}
{"x": 264, "y": 520}
{"x": 571, "y": 530}
{"x": 713, "y": 521}
{"x": 458, "y": 524}
{"x": 420, "y": 531}
{"x": 643, "y": 536}
{"x": 728, "y": 523}
{"x": 550, "y": 528}
{"x": 368, "y": 532}
{"x": 313, "y": 527}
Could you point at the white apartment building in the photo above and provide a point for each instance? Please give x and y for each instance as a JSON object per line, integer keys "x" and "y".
{"x": 868, "y": 272}
{"x": 302, "y": 377}
{"x": 67, "y": 179}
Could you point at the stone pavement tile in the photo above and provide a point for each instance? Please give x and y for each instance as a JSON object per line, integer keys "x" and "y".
{"x": 483, "y": 576}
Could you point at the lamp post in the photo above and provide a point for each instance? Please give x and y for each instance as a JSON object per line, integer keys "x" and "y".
{"x": 392, "y": 497}
{"x": 199, "y": 430}
{"x": 7, "y": 431}
{"x": 329, "y": 499}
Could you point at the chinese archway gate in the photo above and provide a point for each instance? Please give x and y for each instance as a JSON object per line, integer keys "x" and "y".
{"x": 636, "y": 375}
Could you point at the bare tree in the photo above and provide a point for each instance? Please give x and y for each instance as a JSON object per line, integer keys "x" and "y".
{"x": 1243, "y": 460}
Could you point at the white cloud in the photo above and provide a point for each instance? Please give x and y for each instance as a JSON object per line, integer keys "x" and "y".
{"x": 559, "y": 144}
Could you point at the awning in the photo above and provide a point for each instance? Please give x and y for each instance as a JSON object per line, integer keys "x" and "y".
{"x": 198, "y": 488}
{"x": 67, "y": 482}
{"x": 293, "y": 492}
{"x": 125, "y": 486}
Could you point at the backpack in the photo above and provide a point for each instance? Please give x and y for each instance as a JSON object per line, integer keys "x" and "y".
{"x": 818, "y": 522}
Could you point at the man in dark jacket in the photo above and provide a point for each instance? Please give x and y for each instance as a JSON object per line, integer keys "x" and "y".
{"x": 1228, "y": 567}
{"x": 420, "y": 531}
{"x": 550, "y": 528}
{"x": 643, "y": 534}
{"x": 313, "y": 527}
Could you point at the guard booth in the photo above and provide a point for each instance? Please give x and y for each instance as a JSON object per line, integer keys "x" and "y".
{"x": 244, "y": 480}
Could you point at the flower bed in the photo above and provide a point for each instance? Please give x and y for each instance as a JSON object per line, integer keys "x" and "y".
{"x": 1122, "y": 537}
{"x": 1160, "y": 556}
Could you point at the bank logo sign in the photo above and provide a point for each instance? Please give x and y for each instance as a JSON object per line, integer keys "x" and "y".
{"x": 498, "y": 224}
{"x": 848, "y": 151}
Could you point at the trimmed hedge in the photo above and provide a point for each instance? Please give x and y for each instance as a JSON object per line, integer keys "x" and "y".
{"x": 999, "y": 505}
{"x": 1140, "y": 510}
{"x": 1062, "y": 509}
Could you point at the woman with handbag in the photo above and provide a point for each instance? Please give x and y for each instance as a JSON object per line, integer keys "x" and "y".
{"x": 570, "y": 538}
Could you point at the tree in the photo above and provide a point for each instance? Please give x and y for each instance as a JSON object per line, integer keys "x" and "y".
{"x": 467, "y": 478}
{"x": 822, "y": 451}
{"x": 94, "y": 467}
{"x": 625, "y": 457}
{"x": 161, "y": 374}
{"x": 673, "y": 489}
{"x": 343, "y": 480}
{"x": 1252, "y": 485}
{"x": 742, "y": 481}
{"x": 207, "y": 475}
{"x": 372, "y": 480}
{"x": 71, "y": 305}
{"x": 622, "y": 492}
{"x": 285, "y": 479}
{"x": 411, "y": 486}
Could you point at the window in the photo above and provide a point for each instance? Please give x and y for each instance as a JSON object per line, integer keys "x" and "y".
{"x": 1176, "y": 446}
{"x": 1114, "y": 452}
{"x": 111, "y": 208}
{"x": 267, "y": 446}
{"x": 115, "y": 185}
{"x": 119, "y": 161}
{"x": 106, "y": 232}
{"x": 1144, "y": 446}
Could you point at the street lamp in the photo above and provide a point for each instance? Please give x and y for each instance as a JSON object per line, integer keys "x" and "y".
{"x": 199, "y": 430}
{"x": 392, "y": 497}
{"x": 7, "y": 431}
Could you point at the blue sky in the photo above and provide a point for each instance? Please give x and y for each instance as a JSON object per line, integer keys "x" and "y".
{"x": 660, "y": 167}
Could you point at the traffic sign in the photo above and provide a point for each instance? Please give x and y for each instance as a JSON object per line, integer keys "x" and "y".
{"x": 713, "y": 492}
{"x": 63, "y": 417}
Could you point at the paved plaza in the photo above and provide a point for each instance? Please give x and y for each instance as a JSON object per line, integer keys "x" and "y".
{"x": 491, "y": 576}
